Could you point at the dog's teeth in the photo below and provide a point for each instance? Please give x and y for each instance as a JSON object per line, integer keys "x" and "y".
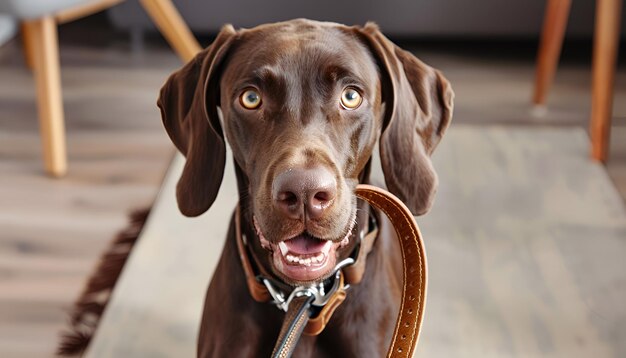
{"x": 326, "y": 247}
{"x": 314, "y": 260}
{"x": 283, "y": 248}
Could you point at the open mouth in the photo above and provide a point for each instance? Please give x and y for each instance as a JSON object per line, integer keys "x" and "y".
{"x": 304, "y": 258}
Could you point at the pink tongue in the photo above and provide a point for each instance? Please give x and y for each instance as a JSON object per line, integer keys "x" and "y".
{"x": 304, "y": 244}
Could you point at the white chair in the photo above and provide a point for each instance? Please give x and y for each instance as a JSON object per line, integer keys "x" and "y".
{"x": 7, "y": 28}
{"x": 39, "y": 20}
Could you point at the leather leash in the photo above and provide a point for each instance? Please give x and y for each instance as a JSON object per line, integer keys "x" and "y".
{"x": 414, "y": 283}
{"x": 295, "y": 320}
{"x": 414, "y": 269}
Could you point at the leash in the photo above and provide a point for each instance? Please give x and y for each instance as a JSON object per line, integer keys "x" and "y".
{"x": 322, "y": 299}
{"x": 295, "y": 320}
{"x": 414, "y": 269}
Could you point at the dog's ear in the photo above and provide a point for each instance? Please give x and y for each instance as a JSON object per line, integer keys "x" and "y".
{"x": 188, "y": 103}
{"x": 418, "y": 109}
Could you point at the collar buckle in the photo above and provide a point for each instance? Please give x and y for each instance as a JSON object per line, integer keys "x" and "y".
{"x": 319, "y": 291}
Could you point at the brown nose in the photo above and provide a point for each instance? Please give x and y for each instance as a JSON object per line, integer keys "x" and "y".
{"x": 304, "y": 191}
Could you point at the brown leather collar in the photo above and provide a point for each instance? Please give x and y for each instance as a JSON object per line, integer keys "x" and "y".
{"x": 350, "y": 275}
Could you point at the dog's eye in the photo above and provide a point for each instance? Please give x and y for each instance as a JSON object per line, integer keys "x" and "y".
{"x": 250, "y": 99}
{"x": 350, "y": 98}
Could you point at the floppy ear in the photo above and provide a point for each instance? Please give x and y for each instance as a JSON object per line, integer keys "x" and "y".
{"x": 418, "y": 109}
{"x": 188, "y": 102}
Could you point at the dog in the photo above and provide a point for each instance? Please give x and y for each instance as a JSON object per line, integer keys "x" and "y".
{"x": 302, "y": 105}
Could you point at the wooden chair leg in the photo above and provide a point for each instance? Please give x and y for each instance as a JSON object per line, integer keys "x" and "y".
{"x": 27, "y": 47}
{"x": 42, "y": 35}
{"x": 173, "y": 27}
{"x": 554, "y": 25}
{"x": 606, "y": 43}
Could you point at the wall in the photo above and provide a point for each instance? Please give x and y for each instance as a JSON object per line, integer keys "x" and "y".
{"x": 450, "y": 18}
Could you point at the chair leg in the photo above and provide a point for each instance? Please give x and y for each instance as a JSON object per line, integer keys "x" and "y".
{"x": 173, "y": 27}
{"x": 554, "y": 25}
{"x": 606, "y": 42}
{"x": 27, "y": 47}
{"x": 42, "y": 35}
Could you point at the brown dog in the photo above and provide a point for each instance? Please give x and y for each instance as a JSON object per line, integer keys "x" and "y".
{"x": 303, "y": 104}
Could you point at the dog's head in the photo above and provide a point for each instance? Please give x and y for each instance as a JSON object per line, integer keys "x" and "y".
{"x": 303, "y": 104}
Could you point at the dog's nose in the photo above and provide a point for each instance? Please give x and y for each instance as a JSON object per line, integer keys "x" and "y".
{"x": 310, "y": 191}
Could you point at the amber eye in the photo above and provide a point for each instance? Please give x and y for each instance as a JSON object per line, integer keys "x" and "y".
{"x": 250, "y": 99}
{"x": 350, "y": 98}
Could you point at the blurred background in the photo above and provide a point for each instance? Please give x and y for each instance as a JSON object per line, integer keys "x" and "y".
{"x": 527, "y": 239}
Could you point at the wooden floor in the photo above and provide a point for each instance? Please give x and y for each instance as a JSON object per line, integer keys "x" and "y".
{"x": 51, "y": 231}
